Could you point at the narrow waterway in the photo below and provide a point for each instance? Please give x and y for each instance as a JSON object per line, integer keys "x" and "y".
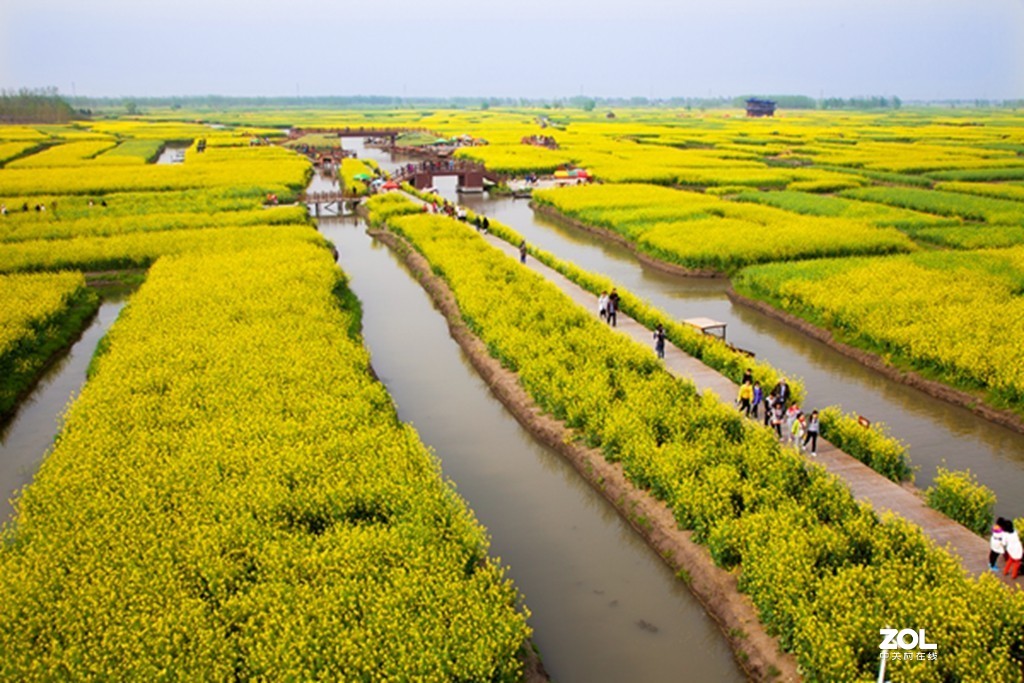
{"x": 604, "y": 606}
{"x": 172, "y": 154}
{"x": 938, "y": 433}
{"x": 25, "y": 440}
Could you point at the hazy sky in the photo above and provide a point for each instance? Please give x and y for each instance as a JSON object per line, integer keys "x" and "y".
{"x": 529, "y": 48}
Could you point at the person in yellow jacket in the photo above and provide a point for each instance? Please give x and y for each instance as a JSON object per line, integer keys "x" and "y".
{"x": 745, "y": 397}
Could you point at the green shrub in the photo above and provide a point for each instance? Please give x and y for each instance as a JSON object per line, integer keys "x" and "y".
{"x": 871, "y": 445}
{"x": 959, "y": 496}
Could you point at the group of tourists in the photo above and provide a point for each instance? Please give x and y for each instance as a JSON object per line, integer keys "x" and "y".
{"x": 39, "y": 208}
{"x": 790, "y": 423}
{"x": 446, "y": 208}
{"x": 608, "y": 309}
{"x": 540, "y": 141}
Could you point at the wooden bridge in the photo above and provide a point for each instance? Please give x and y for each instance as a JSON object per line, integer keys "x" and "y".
{"x": 470, "y": 174}
{"x": 331, "y": 203}
{"x": 349, "y": 132}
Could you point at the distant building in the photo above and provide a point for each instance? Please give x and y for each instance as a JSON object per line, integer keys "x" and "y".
{"x": 760, "y": 107}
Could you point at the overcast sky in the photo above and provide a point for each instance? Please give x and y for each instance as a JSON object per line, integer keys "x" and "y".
{"x": 942, "y": 49}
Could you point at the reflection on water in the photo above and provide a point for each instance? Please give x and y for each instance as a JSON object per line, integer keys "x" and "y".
{"x": 605, "y": 607}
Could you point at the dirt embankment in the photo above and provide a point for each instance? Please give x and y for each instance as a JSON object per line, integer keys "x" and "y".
{"x": 647, "y": 259}
{"x": 933, "y": 388}
{"x": 757, "y": 652}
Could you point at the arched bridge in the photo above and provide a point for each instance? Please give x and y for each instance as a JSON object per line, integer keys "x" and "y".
{"x": 470, "y": 174}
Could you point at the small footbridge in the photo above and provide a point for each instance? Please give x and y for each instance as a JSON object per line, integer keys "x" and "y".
{"x": 470, "y": 175}
{"x": 333, "y": 154}
{"x": 330, "y": 203}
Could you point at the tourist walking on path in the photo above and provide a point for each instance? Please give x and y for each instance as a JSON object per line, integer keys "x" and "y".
{"x": 613, "y": 307}
{"x": 758, "y": 398}
{"x": 997, "y": 544}
{"x": 778, "y": 417}
{"x": 602, "y": 306}
{"x": 791, "y": 414}
{"x": 769, "y": 407}
{"x": 1006, "y": 541}
{"x": 745, "y": 396}
{"x": 659, "y": 341}
{"x": 796, "y": 431}
{"x": 522, "y": 251}
{"x": 748, "y": 376}
{"x": 813, "y": 429}
{"x": 782, "y": 392}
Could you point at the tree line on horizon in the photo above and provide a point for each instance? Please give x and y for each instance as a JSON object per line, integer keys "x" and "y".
{"x": 47, "y": 105}
{"x": 42, "y": 105}
{"x": 583, "y": 102}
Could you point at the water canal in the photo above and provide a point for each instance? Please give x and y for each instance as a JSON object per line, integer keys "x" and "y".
{"x": 938, "y": 433}
{"x": 26, "y": 438}
{"x": 605, "y": 607}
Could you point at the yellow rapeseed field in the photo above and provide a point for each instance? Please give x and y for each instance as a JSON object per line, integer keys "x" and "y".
{"x": 812, "y": 559}
{"x": 38, "y": 314}
{"x": 233, "y": 496}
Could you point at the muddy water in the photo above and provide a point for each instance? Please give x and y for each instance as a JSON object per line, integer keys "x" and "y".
{"x": 388, "y": 162}
{"x": 936, "y": 432}
{"x": 605, "y": 608}
{"x": 172, "y": 154}
{"x": 25, "y": 439}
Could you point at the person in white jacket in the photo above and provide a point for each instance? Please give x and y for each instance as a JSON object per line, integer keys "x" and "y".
{"x": 1006, "y": 541}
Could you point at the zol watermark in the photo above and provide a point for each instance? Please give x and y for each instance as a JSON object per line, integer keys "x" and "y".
{"x": 904, "y": 645}
{"x": 905, "y": 639}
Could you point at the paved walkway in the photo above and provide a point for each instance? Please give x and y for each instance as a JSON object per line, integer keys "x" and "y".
{"x": 864, "y": 483}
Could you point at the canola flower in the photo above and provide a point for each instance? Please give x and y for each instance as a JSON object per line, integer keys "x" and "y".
{"x": 21, "y": 133}
{"x": 267, "y": 168}
{"x": 709, "y": 349}
{"x": 22, "y": 226}
{"x": 997, "y": 190}
{"x": 873, "y": 446}
{"x": 841, "y": 207}
{"x": 67, "y": 154}
{"x": 812, "y": 559}
{"x": 140, "y": 249}
{"x": 700, "y": 231}
{"x": 125, "y": 205}
{"x": 943, "y": 203}
{"x": 962, "y": 497}
{"x": 132, "y": 152}
{"x": 350, "y": 168}
{"x": 516, "y": 159}
{"x": 233, "y": 496}
{"x": 806, "y": 150}
{"x": 11, "y": 150}
{"x": 38, "y": 314}
{"x": 140, "y": 129}
{"x": 932, "y": 311}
